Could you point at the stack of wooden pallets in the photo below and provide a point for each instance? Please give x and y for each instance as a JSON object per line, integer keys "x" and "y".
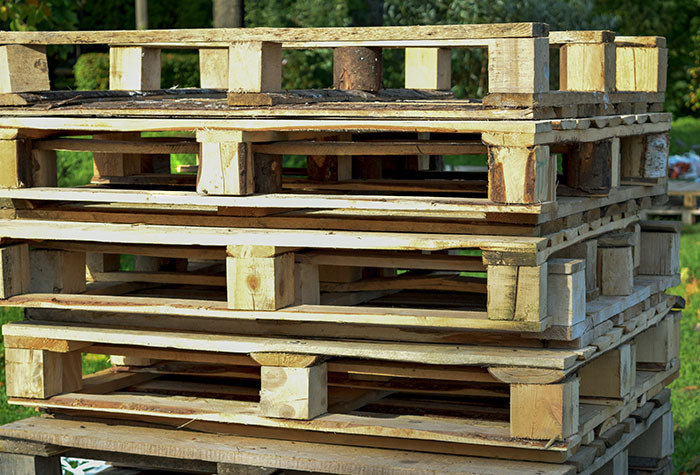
{"x": 367, "y": 311}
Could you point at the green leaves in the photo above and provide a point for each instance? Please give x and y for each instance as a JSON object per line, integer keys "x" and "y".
{"x": 31, "y": 15}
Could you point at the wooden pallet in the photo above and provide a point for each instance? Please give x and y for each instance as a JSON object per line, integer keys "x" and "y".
{"x": 688, "y": 192}
{"x": 548, "y": 388}
{"x": 36, "y": 443}
{"x": 288, "y": 281}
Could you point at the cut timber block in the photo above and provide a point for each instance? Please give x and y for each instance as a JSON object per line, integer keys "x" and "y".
{"x": 23, "y": 69}
{"x": 544, "y": 411}
{"x": 615, "y": 162}
{"x": 293, "y": 393}
{"x": 225, "y": 168}
{"x": 19, "y": 464}
{"x": 517, "y": 293}
{"x": 644, "y": 156}
{"x": 56, "y": 271}
{"x": 44, "y": 168}
{"x": 14, "y": 270}
{"x": 42, "y": 374}
{"x": 566, "y": 291}
{"x": 659, "y": 345}
{"x": 657, "y": 441}
{"x": 307, "y": 284}
{"x": 97, "y": 263}
{"x": 267, "y": 173}
{"x": 428, "y": 68}
{"x": 588, "y": 251}
{"x": 660, "y": 253}
{"x": 589, "y": 167}
{"x": 641, "y": 69}
{"x": 255, "y": 66}
{"x": 15, "y": 164}
{"x": 587, "y": 67}
{"x": 519, "y": 65}
{"x": 134, "y": 68}
{"x": 107, "y": 164}
{"x": 358, "y": 68}
{"x": 616, "y": 270}
{"x": 616, "y": 466}
{"x": 213, "y": 68}
{"x": 611, "y": 375}
{"x": 521, "y": 174}
{"x": 260, "y": 283}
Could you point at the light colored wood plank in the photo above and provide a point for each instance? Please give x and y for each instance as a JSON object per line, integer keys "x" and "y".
{"x": 517, "y": 293}
{"x": 134, "y": 68}
{"x": 117, "y": 146}
{"x": 273, "y": 453}
{"x": 519, "y": 65}
{"x": 417, "y": 353}
{"x": 428, "y": 68}
{"x": 544, "y": 411}
{"x": 14, "y": 270}
{"x": 24, "y": 68}
{"x": 372, "y": 148}
{"x": 255, "y": 66}
{"x": 294, "y": 393}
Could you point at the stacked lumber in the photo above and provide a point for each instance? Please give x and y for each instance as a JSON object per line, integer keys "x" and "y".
{"x": 369, "y": 311}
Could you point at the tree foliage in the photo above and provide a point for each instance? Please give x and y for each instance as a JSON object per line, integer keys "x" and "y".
{"x": 32, "y": 15}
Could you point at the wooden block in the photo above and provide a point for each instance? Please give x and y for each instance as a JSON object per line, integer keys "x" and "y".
{"x": 587, "y": 67}
{"x": 544, "y": 411}
{"x": 119, "y": 164}
{"x": 98, "y": 263}
{"x": 588, "y": 251}
{"x": 589, "y": 167}
{"x": 307, "y": 284}
{"x": 616, "y": 270}
{"x": 566, "y": 291}
{"x": 134, "y": 68}
{"x": 517, "y": 293}
{"x": 519, "y": 65}
{"x": 521, "y": 174}
{"x": 615, "y": 163}
{"x": 659, "y": 345}
{"x": 14, "y": 270}
{"x": 294, "y": 393}
{"x": 213, "y": 68}
{"x": 260, "y": 283}
{"x": 659, "y": 253}
{"x": 18, "y": 464}
{"x": 267, "y": 173}
{"x": 329, "y": 168}
{"x": 644, "y": 156}
{"x": 15, "y": 164}
{"x": 255, "y": 66}
{"x": 428, "y": 68}
{"x": 641, "y": 69}
{"x": 611, "y": 375}
{"x": 23, "y": 69}
{"x": 40, "y": 373}
{"x": 358, "y": 68}
{"x": 225, "y": 168}
{"x": 56, "y": 271}
{"x": 657, "y": 441}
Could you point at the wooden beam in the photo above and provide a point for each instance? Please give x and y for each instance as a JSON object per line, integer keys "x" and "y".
{"x": 587, "y": 67}
{"x": 40, "y": 373}
{"x": 255, "y": 66}
{"x": 134, "y": 68}
{"x": 544, "y": 411}
{"x": 519, "y": 65}
{"x": 293, "y": 393}
{"x": 428, "y": 68}
{"x": 14, "y": 270}
{"x": 517, "y": 293}
{"x": 23, "y": 69}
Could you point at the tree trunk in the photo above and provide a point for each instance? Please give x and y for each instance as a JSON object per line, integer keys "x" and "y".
{"x": 228, "y": 13}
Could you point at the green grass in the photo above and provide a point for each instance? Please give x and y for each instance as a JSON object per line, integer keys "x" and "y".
{"x": 685, "y": 132}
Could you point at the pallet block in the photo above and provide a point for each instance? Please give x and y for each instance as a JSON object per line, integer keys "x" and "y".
{"x": 566, "y": 291}
{"x": 659, "y": 249}
{"x": 657, "y": 442}
{"x": 15, "y": 164}
{"x": 610, "y": 376}
{"x": 521, "y": 175}
{"x": 134, "y": 68}
{"x": 259, "y": 280}
{"x": 40, "y": 373}
{"x": 428, "y": 68}
{"x": 517, "y": 293}
{"x": 659, "y": 346}
{"x": 294, "y": 393}
{"x": 213, "y": 68}
{"x": 616, "y": 270}
{"x": 587, "y": 67}
{"x": 263, "y": 67}
{"x": 14, "y": 270}
{"x": 641, "y": 68}
{"x": 54, "y": 271}
{"x": 24, "y": 68}
{"x": 644, "y": 156}
{"x": 519, "y": 65}
{"x": 544, "y": 411}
